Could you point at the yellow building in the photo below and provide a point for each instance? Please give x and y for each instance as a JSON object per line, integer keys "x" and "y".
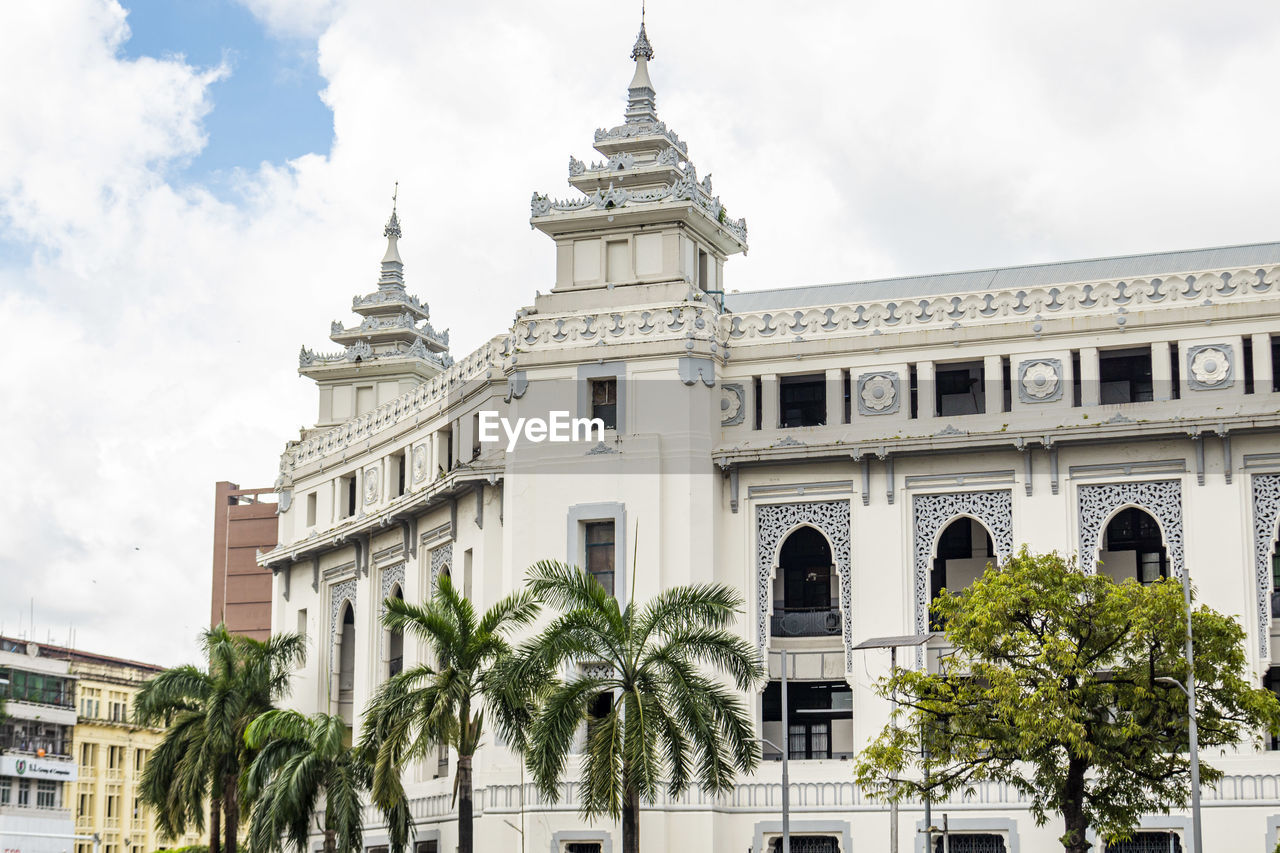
{"x": 111, "y": 753}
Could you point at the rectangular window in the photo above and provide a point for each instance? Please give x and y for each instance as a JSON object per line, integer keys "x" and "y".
{"x": 604, "y": 401}
{"x": 347, "y": 496}
{"x": 913, "y": 392}
{"x": 848, "y": 396}
{"x": 960, "y": 389}
{"x": 600, "y": 546}
{"x": 432, "y": 846}
{"x": 6, "y": 791}
{"x": 704, "y": 275}
{"x": 46, "y": 794}
{"x": 1006, "y": 383}
{"x": 1076, "y": 387}
{"x": 802, "y": 400}
{"x": 1125, "y": 376}
{"x": 583, "y": 847}
{"x": 400, "y": 462}
{"x": 1247, "y": 362}
{"x": 24, "y": 792}
{"x": 302, "y": 623}
{"x": 311, "y": 510}
{"x": 364, "y": 399}
{"x": 756, "y": 401}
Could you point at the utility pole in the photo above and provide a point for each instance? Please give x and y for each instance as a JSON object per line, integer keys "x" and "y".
{"x": 786, "y": 748}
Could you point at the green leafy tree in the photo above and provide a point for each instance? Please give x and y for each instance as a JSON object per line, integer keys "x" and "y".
{"x": 206, "y": 712}
{"x": 445, "y": 699}
{"x": 305, "y": 766}
{"x": 1054, "y": 689}
{"x": 653, "y": 696}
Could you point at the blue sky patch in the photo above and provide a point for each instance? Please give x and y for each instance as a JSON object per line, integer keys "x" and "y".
{"x": 268, "y": 108}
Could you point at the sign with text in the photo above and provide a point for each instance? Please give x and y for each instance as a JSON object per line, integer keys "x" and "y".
{"x": 27, "y": 767}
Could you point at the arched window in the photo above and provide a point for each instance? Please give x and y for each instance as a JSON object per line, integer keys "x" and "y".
{"x": 806, "y": 593}
{"x": 1133, "y": 547}
{"x": 395, "y": 642}
{"x": 346, "y": 674}
{"x": 961, "y": 556}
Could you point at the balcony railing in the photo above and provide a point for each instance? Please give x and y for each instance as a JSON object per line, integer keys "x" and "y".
{"x": 775, "y": 755}
{"x": 806, "y": 622}
{"x": 114, "y": 774}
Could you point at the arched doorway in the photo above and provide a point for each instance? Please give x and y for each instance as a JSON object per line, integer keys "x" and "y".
{"x": 346, "y": 674}
{"x": 806, "y": 594}
{"x": 961, "y": 555}
{"x": 395, "y": 641}
{"x": 1133, "y": 547}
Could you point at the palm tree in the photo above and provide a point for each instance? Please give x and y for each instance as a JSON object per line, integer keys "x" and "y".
{"x": 444, "y": 700}
{"x": 206, "y": 712}
{"x": 651, "y": 708}
{"x": 298, "y": 760}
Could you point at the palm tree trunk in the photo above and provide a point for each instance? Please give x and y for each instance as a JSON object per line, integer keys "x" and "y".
{"x": 215, "y": 822}
{"x": 231, "y": 811}
{"x": 630, "y": 820}
{"x": 330, "y": 840}
{"x": 465, "y": 837}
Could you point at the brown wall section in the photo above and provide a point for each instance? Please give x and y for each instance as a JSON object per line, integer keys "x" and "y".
{"x": 243, "y": 524}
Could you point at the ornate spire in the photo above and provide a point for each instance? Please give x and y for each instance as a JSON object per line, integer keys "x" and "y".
{"x": 642, "y": 48}
{"x": 392, "y": 267}
{"x": 393, "y": 224}
{"x": 641, "y": 99}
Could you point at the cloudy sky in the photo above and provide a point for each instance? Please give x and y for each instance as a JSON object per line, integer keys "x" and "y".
{"x": 191, "y": 191}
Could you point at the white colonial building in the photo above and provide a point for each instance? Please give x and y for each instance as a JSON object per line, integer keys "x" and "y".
{"x": 837, "y": 453}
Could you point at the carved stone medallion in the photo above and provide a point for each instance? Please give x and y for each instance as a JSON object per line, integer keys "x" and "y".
{"x": 733, "y": 406}
{"x": 1040, "y": 381}
{"x": 1209, "y": 367}
{"x": 877, "y": 393}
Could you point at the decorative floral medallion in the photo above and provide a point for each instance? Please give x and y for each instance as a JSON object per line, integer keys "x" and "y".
{"x": 877, "y": 393}
{"x": 419, "y": 463}
{"x": 732, "y": 404}
{"x": 1210, "y": 366}
{"x": 371, "y": 479}
{"x": 1040, "y": 380}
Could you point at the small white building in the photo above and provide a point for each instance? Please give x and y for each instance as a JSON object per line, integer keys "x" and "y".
{"x": 838, "y": 453}
{"x": 36, "y": 760}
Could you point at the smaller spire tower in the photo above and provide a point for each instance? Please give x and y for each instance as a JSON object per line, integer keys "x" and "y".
{"x": 391, "y": 350}
{"x": 644, "y": 217}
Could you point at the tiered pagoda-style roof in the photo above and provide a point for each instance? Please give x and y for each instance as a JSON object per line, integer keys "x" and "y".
{"x": 394, "y": 329}
{"x": 646, "y": 175}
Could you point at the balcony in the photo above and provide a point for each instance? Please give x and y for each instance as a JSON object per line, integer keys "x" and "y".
{"x": 113, "y": 774}
{"x": 110, "y": 823}
{"x": 806, "y": 622}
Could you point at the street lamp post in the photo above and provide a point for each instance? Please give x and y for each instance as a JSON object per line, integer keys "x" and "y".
{"x": 1193, "y": 744}
{"x": 786, "y": 785}
{"x": 1190, "y": 690}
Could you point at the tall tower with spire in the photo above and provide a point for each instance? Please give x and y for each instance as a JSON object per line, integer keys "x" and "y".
{"x": 390, "y": 351}
{"x": 642, "y": 218}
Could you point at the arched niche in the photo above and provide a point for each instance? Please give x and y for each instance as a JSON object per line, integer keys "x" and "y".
{"x": 806, "y": 586}
{"x": 1161, "y": 499}
{"x": 344, "y": 677}
{"x": 441, "y": 559}
{"x": 774, "y": 523}
{"x": 934, "y": 513}
{"x": 1266, "y": 530}
{"x": 1133, "y": 547}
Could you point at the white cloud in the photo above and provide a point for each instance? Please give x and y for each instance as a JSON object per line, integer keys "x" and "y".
{"x": 156, "y": 328}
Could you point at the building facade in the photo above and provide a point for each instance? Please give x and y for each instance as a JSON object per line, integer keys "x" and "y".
{"x": 244, "y": 523}
{"x": 838, "y": 454}
{"x": 37, "y": 767}
{"x": 111, "y": 752}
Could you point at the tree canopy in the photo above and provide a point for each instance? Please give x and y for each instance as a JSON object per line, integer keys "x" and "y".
{"x": 1054, "y": 688}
